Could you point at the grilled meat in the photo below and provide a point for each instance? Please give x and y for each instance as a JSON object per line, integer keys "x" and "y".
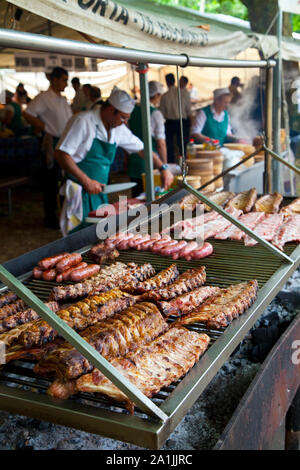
{"x": 187, "y": 302}
{"x": 189, "y": 280}
{"x": 293, "y": 208}
{"x": 115, "y": 336}
{"x": 151, "y": 367}
{"x": 288, "y": 232}
{"x": 7, "y": 298}
{"x": 163, "y": 278}
{"x": 218, "y": 311}
{"x": 109, "y": 277}
{"x": 23, "y": 317}
{"x": 78, "y": 316}
{"x": 12, "y": 308}
{"x": 266, "y": 229}
{"x": 268, "y": 203}
{"x": 244, "y": 200}
{"x": 250, "y": 220}
{"x": 101, "y": 253}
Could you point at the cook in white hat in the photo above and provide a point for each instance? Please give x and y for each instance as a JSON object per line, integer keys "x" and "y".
{"x": 88, "y": 147}
{"x": 136, "y": 166}
{"x": 213, "y": 121}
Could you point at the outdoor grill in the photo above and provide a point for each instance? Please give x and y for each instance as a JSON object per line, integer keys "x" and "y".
{"x": 23, "y": 392}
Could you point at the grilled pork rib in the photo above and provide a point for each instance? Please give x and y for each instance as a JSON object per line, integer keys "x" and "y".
{"x": 7, "y": 298}
{"x": 162, "y": 279}
{"x": 218, "y": 311}
{"x": 23, "y": 317}
{"x": 115, "y": 336}
{"x": 187, "y": 302}
{"x": 109, "y": 277}
{"x": 189, "y": 280}
{"x": 151, "y": 367}
{"x": 12, "y": 308}
{"x": 78, "y": 316}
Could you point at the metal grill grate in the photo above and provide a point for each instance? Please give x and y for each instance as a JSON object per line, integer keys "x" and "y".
{"x": 231, "y": 262}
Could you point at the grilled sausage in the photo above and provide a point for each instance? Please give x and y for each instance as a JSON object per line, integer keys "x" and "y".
{"x": 64, "y": 276}
{"x": 205, "y": 250}
{"x": 171, "y": 249}
{"x": 49, "y": 274}
{"x": 184, "y": 252}
{"x": 67, "y": 261}
{"x": 50, "y": 262}
{"x": 83, "y": 273}
{"x": 37, "y": 273}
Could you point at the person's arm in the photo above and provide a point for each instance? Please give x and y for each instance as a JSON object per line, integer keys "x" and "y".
{"x": 162, "y": 150}
{"x": 36, "y": 122}
{"x": 166, "y": 175}
{"x": 67, "y": 163}
{"x": 196, "y": 131}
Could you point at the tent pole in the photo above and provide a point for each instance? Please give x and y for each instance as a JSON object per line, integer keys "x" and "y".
{"x": 276, "y": 183}
{"x": 146, "y": 126}
{"x": 267, "y": 183}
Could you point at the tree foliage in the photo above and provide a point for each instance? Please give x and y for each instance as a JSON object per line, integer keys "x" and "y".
{"x": 241, "y": 9}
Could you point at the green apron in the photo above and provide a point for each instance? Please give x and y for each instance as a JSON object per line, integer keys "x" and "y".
{"x": 136, "y": 164}
{"x": 213, "y": 128}
{"x": 16, "y": 122}
{"x": 96, "y": 165}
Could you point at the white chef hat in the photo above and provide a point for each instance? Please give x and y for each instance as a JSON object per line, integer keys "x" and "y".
{"x": 121, "y": 100}
{"x": 221, "y": 91}
{"x": 155, "y": 88}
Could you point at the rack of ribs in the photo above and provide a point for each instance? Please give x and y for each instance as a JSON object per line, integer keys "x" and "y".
{"x": 109, "y": 277}
{"x": 151, "y": 367}
{"x": 187, "y": 302}
{"x": 78, "y": 316}
{"x": 189, "y": 280}
{"x": 162, "y": 279}
{"x": 126, "y": 331}
{"x": 7, "y": 298}
{"x": 12, "y": 308}
{"x": 24, "y": 316}
{"x": 219, "y": 310}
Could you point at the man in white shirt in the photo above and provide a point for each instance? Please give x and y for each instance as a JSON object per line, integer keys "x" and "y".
{"x": 80, "y": 99}
{"x": 170, "y": 110}
{"x": 49, "y": 112}
{"x": 213, "y": 120}
{"x": 136, "y": 165}
{"x": 88, "y": 146}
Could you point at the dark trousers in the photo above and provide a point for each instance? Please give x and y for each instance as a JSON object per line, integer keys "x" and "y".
{"x": 172, "y": 128}
{"x": 138, "y": 189}
{"x": 50, "y": 180}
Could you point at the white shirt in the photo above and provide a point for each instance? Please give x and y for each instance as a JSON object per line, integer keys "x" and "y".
{"x": 52, "y": 109}
{"x": 157, "y": 122}
{"x": 79, "y": 101}
{"x": 81, "y": 130}
{"x": 169, "y": 103}
{"x": 201, "y": 118}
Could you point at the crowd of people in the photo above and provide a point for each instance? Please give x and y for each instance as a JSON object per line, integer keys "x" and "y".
{"x": 78, "y": 142}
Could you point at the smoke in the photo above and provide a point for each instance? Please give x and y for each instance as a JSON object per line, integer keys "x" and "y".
{"x": 243, "y": 124}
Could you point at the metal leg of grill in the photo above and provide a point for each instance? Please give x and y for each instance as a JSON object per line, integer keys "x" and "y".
{"x": 292, "y": 436}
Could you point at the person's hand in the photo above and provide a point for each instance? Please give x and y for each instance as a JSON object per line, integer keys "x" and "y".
{"x": 167, "y": 178}
{"x": 93, "y": 186}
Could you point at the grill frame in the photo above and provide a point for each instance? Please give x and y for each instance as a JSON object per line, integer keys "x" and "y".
{"x": 139, "y": 429}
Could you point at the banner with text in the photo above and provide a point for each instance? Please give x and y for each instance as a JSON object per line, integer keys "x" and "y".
{"x": 142, "y": 25}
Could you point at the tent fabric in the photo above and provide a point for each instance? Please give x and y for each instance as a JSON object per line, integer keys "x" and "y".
{"x": 145, "y": 25}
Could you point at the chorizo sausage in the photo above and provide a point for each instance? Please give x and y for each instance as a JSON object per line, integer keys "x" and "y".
{"x": 68, "y": 261}
{"x": 50, "y": 262}
{"x": 83, "y": 273}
